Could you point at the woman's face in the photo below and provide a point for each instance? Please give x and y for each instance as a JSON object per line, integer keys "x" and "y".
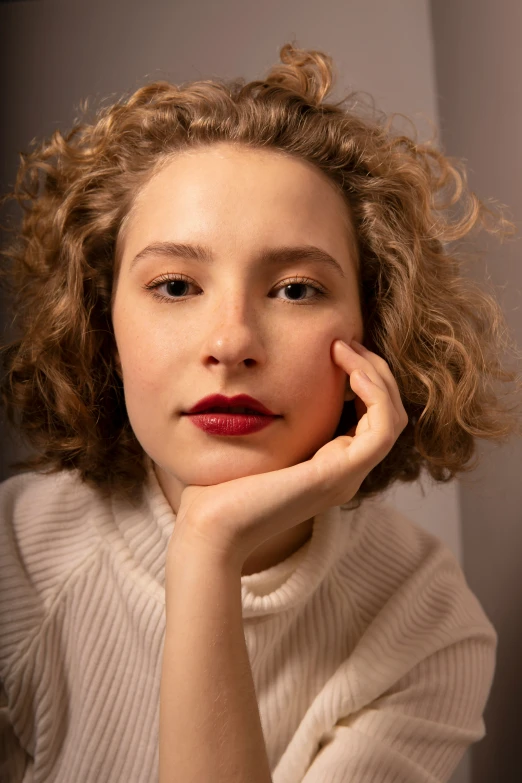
{"x": 232, "y": 326}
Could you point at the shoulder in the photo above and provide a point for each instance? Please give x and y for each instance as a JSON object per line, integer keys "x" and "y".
{"x": 44, "y": 537}
{"x": 44, "y": 521}
{"x": 410, "y": 691}
{"x": 411, "y": 579}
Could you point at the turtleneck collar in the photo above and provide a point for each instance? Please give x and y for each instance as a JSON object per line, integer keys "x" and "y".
{"x": 148, "y": 528}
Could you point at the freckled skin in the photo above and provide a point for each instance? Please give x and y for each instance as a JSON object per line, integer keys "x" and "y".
{"x": 228, "y": 329}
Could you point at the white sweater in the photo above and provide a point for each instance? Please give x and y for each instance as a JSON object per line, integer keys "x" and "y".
{"x": 371, "y": 658}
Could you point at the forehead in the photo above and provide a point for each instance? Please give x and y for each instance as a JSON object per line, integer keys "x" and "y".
{"x": 226, "y": 191}
{"x": 233, "y": 170}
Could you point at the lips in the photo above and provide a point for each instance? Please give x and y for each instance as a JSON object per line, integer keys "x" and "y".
{"x": 223, "y": 404}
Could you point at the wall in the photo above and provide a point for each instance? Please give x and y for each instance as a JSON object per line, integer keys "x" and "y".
{"x": 56, "y": 53}
{"x": 479, "y": 67}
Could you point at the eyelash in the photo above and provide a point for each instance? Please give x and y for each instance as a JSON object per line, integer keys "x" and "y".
{"x": 320, "y": 291}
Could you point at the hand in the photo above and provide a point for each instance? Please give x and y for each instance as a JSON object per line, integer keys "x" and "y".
{"x": 235, "y": 517}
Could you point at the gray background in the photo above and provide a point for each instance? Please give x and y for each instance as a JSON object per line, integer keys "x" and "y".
{"x": 449, "y": 65}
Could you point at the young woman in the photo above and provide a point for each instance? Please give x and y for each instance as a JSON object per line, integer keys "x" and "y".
{"x": 239, "y": 321}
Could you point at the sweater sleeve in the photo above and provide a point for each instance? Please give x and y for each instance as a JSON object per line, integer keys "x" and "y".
{"x": 418, "y": 731}
{"x": 16, "y": 765}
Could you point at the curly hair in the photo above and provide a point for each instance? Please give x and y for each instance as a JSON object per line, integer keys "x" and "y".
{"x": 442, "y": 335}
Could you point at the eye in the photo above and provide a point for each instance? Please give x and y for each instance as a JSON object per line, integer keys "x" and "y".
{"x": 296, "y": 284}
{"x": 176, "y": 284}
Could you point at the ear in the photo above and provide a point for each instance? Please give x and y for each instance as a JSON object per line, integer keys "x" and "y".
{"x": 349, "y": 394}
{"x": 117, "y": 363}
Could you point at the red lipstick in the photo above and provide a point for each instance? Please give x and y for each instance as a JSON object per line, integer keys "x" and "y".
{"x": 217, "y": 415}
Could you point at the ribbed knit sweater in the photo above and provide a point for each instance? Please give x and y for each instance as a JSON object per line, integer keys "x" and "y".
{"x": 372, "y": 659}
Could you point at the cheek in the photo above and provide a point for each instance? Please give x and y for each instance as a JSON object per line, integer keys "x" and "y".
{"x": 141, "y": 351}
{"x": 317, "y": 382}
{"x": 315, "y": 365}
{"x": 145, "y": 370}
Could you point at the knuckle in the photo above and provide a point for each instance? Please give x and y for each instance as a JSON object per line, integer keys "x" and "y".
{"x": 401, "y": 419}
{"x": 382, "y": 364}
{"x": 388, "y": 438}
{"x": 392, "y": 438}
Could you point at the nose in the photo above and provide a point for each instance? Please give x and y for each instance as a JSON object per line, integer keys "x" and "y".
{"x": 233, "y": 335}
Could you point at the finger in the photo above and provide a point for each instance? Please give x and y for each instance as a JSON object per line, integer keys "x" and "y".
{"x": 352, "y": 360}
{"x": 372, "y": 444}
{"x": 382, "y": 367}
{"x": 357, "y": 356}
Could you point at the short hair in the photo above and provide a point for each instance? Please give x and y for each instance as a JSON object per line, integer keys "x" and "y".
{"x": 442, "y": 335}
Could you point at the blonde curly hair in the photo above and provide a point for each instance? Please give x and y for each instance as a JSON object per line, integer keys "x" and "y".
{"x": 442, "y": 335}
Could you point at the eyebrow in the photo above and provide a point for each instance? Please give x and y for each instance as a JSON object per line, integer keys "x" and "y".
{"x": 280, "y": 256}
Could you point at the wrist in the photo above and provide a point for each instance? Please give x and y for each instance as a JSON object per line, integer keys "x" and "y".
{"x": 195, "y": 571}
{"x": 191, "y": 549}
